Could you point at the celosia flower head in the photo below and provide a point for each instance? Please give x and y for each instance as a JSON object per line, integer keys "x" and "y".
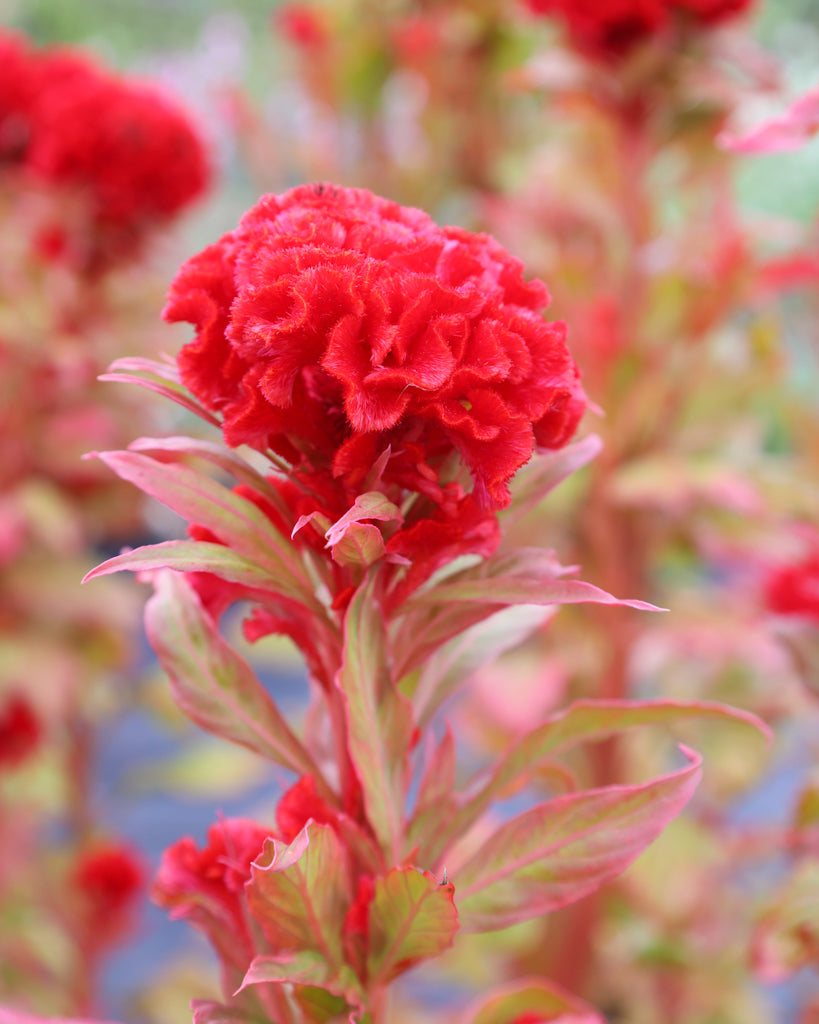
{"x": 333, "y": 325}
{"x": 118, "y": 147}
{"x": 612, "y": 28}
{"x": 132, "y": 151}
{"x": 108, "y": 879}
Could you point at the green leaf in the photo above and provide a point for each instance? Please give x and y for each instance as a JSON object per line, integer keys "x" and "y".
{"x": 509, "y": 590}
{"x": 161, "y": 378}
{"x": 450, "y": 666}
{"x": 412, "y": 918}
{"x": 534, "y": 1000}
{"x": 190, "y": 556}
{"x": 380, "y": 725}
{"x": 212, "y": 683}
{"x": 582, "y": 722}
{"x": 305, "y": 968}
{"x": 435, "y": 805}
{"x": 300, "y": 894}
{"x": 233, "y": 520}
{"x": 361, "y": 545}
{"x": 216, "y": 454}
{"x": 566, "y": 848}
{"x": 372, "y": 505}
{"x": 207, "y": 1012}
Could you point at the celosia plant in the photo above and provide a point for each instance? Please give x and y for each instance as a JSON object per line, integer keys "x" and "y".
{"x": 387, "y": 380}
{"x": 119, "y": 150}
{"x": 92, "y": 167}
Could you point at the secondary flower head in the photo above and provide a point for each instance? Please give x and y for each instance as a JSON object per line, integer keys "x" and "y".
{"x": 118, "y": 147}
{"x": 611, "y": 28}
{"x": 334, "y": 326}
{"x": 131, "y": 148}
{"x": 108, "y": 879}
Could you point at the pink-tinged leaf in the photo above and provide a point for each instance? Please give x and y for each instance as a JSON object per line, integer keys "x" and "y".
{"x": 189, "y": 556}
{"x": 361, "y": 545}
{"x": 212, "y": 683}
{"x": 380, "y": 725}
{"x": 786, "y": 937}
{"x": 513, "y": 590}
{"x": 372, "y": 505}
{"x": 534, "y": 1001}
{"x": 233, "y": 520}
{"x": 161, "y": 378}
{"x": 435, "y": 805}
{"x": 566, "y": 848}
{"x": 582, "y": 722}
{"x": 787, "y": 131}
{"x": 8, "y": 1015}
{"x": 544, "y": 472}
{"x": 412, "y": 918}
{"x": 300, "y": 894}
{"x": 451, "y": 666}
{"x": 305, "y": 968}
{"x": 207, "y": 1012}
{"x": 170, "y": 448}
{"x": 319, "y": 521}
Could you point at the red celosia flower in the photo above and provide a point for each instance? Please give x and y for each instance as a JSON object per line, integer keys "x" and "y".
{"x": 132, "y": 152}
{"x": 207, "y": 886}
{"x": 333, "y": 325}
{"x": 123, "y": 153}
{"x": 20, "y": 731}
{"x": 611, "y": 28}
{"x": 108, "y": 878}
{"x": 606, "y": 27}
{"x": 794, "y": 589}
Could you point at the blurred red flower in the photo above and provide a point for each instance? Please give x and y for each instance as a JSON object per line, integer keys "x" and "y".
{"x": 333, "y": 324}
{"x": 134, "y": 153}
{"x": 794, "y": 589}
{"x": 127, "y": 152}
{"x": 108, "y": 878}
{"x": 611, "y": 28}
{"x": 20, "y": 731}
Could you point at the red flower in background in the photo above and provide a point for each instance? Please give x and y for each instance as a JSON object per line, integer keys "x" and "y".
{"x": 20, "y": 731}
{"x": 606, "y": 26}
{"x": 129, "y": 147}
{"x": 125, "y": 149}
{"x": 794, "y": 589}
{"x": 333, "y": 325}
{"x": 612, "y": 28}
{"x": 108, "y": 879}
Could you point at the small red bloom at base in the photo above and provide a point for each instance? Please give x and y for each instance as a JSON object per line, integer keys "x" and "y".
{"x": 20, "y": 731}
{"x": 207, "y": 886}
